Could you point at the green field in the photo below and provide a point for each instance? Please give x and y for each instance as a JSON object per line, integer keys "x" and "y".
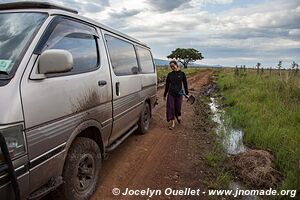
{"x": 266, "y": 106}
{"x": 162, "y": 72}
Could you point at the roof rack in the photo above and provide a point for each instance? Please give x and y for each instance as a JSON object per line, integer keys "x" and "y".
{"x": 33, "y": 4}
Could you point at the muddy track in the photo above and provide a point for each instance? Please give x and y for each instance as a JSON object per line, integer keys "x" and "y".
{"x": 161, "y": 158}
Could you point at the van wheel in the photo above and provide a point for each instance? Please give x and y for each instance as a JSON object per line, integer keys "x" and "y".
{"x": 81, "y": 171}
{"x": 144, "y": 121}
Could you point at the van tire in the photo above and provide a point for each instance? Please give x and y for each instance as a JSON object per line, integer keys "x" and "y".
{"x": 144, "y": 121}
{"x": 85, "y": 155}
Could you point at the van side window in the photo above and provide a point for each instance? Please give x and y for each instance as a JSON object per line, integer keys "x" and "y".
{"x": 122, "y": 56}
{"x": 79, "y": 40}
{"x": 145, "y": 58}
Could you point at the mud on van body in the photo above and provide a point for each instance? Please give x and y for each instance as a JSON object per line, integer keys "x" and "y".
{"x": 71, "y": 90}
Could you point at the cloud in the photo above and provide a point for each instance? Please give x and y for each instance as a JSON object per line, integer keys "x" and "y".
{"x": 255, "y": 30}
{"x": 200, "y": 3}
{"x": 294, "y": 32}
{"x": 92, "y": 8}
{"x": 85, "y": 6}
{"x": 166, "y": 6}
{"x": 222, "y": 30}
{"x": 124, "y": 13}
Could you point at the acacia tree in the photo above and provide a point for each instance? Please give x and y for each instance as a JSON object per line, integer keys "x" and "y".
{"x": 185, "y": 56}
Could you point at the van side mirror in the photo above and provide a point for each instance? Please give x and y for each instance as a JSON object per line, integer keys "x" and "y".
{"x": 55, "y": 61}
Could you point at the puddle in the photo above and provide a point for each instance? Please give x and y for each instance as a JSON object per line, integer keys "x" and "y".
{"x": 232, "y": 138}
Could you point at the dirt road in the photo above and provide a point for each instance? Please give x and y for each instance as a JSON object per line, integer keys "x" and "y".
{"x": 161, "y": 158}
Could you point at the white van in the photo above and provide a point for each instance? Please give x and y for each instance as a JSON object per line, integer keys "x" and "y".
{"x": 71, "y": 90}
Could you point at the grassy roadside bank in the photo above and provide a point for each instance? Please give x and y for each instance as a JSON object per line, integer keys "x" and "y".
{"x": 215, "y": 157}
{"x": 267, "y": 108}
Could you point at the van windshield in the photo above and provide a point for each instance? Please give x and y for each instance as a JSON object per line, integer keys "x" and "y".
{"x": 16, "y": 32}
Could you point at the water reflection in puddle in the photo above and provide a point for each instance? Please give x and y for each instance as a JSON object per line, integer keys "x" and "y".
{"x": 232, "y": 138}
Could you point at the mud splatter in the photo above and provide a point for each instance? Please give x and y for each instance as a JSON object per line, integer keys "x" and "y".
{"x": 86, "y": 101}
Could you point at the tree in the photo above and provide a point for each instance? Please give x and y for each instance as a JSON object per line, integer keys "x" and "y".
{"x": 279, "y": 65}
{"x": 295, "y": 67}
{"x": 185, "y": 56}
{"x": 236, "y": 71}
{"x": 257, "y": 67}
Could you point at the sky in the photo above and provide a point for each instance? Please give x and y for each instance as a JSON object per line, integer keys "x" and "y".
{"x": 226, "y": 32}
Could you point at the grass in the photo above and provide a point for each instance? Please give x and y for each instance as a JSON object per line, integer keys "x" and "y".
{"x": 216, "y": 156}
{"x": 162, "y": 72}
{"x": 267, "y": 108}
{"x": 223, "y": 179}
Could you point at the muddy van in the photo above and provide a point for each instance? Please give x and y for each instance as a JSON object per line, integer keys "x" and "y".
{"x": 71, "y": 90}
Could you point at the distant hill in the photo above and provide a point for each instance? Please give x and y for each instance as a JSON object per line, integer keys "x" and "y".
{"x": 161, "y": 62}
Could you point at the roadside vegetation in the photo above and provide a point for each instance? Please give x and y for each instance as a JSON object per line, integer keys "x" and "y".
{"x": 265, "y": 104}
{"x": 162, "y": 71}
{"x": 214, "y": 156}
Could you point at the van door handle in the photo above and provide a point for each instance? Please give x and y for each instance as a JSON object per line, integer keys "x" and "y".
{"x": 118, "y": 88}
{"x": 102, "y": 83}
